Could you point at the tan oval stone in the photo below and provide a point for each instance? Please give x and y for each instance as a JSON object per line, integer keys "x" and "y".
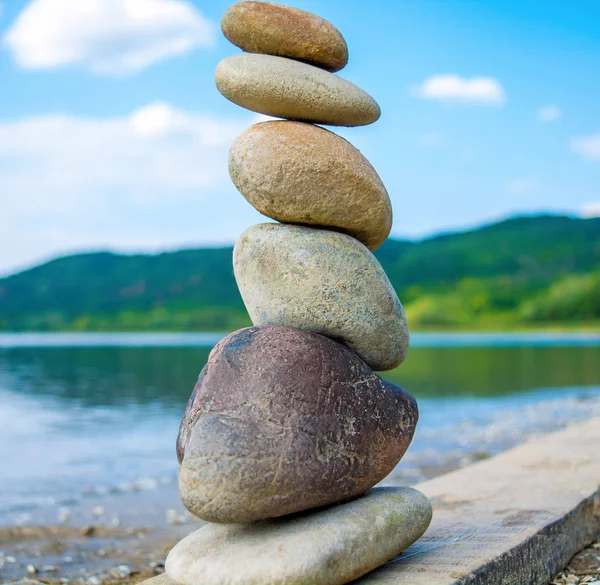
{"x": 284, "y": 88}
{"x": 330, "y": 546}
{"x": 321, "y": 281}
{"x": 284, "y": 31}
{"x": 300, "y": 173}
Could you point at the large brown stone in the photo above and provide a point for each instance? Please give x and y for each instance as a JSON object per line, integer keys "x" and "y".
{"x": 284, "y": 88}
{"x": 300, "y": 173}
{"x": 284, "y": 420}
{"x": 275, "y": 29}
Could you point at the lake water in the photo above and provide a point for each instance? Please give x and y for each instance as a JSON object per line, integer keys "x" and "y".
{"x": 90, "y": 420}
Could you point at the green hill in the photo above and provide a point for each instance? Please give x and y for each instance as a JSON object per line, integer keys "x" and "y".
{"x": 526, "y": 270}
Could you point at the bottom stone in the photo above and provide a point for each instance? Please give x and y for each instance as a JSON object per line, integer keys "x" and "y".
{"x": 329, "y": 546}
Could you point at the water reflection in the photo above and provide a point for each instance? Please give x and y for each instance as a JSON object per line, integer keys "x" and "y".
{"x": 495, "y": 371}
{"x": 83, "y": 422}
{"x": 117, "y": 376}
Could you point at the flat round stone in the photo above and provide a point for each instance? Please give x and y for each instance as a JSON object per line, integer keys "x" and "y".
{"x": 330, "y": 546}
{"x": 283, "y": 420}
{"x": 275, "y": 29}
{"x": 322, "y": 281}
{"x": 301, "y": 173}
{"x": 284, "y": 88}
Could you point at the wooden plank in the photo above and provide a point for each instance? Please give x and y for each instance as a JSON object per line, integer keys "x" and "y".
{"x": 515, "y": 519}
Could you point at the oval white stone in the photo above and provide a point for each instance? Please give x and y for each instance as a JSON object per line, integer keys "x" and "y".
{"x": 329, "y": 546}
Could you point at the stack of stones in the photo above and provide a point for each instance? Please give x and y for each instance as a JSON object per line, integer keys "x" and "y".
{"x": 288, "y": 427}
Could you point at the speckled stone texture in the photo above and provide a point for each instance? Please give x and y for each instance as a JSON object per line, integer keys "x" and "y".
{"x": 289, "y": 89}
{"x": 322, "y": 281}
{"x": 163, "y": 579}
{"x": 283, "y": 420}
{"x": 275, "y": 29}
{"x": 301, "y": 173}
{"x": 326, "y": 547}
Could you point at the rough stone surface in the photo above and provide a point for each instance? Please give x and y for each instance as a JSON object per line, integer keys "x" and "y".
{"x": 514, "y": 519}
{"x": 300, "y": 173}
{"x": 321, "y": 281}
{"x": 326, "y": 547}
{"x": 275, "y": 29}
{"x": 289, "y": 89}
{"x": 163, "y": 579}
{"x": 283, "y": 420}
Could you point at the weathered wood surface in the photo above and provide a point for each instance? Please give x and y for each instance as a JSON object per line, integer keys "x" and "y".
{"x": 515, "y": 519}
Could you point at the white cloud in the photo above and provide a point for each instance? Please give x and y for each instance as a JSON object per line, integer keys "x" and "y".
{"x": 108, "y": 37}
{"x": 591, "y": 210}
{"x": 153, "y": 175}
{"x": 156, "y": 148}
{"x": 588, "y": 147}
{"x": 549, "y": 114}
{"x": 485, "y": 91}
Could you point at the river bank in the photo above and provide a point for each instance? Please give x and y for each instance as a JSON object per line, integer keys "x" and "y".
{"x": 498, "y": 324}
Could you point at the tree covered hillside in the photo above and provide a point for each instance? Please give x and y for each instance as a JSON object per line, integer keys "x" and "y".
{"x": 527, "y": 270}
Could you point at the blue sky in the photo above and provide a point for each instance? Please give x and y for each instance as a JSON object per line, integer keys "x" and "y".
{"x": 113, "y": 136}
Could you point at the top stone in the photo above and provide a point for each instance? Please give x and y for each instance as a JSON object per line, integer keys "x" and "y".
{"x": 283, "y": 31}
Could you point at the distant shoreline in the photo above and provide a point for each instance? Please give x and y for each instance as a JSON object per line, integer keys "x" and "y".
{"x": 537, "y": 273}
{"x": 439, "y": 337}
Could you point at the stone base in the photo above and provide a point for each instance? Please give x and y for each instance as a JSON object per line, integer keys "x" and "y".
{"x": 329, "y": 546}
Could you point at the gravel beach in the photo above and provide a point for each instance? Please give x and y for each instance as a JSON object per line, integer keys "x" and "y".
{"x": 583, "y": 569}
